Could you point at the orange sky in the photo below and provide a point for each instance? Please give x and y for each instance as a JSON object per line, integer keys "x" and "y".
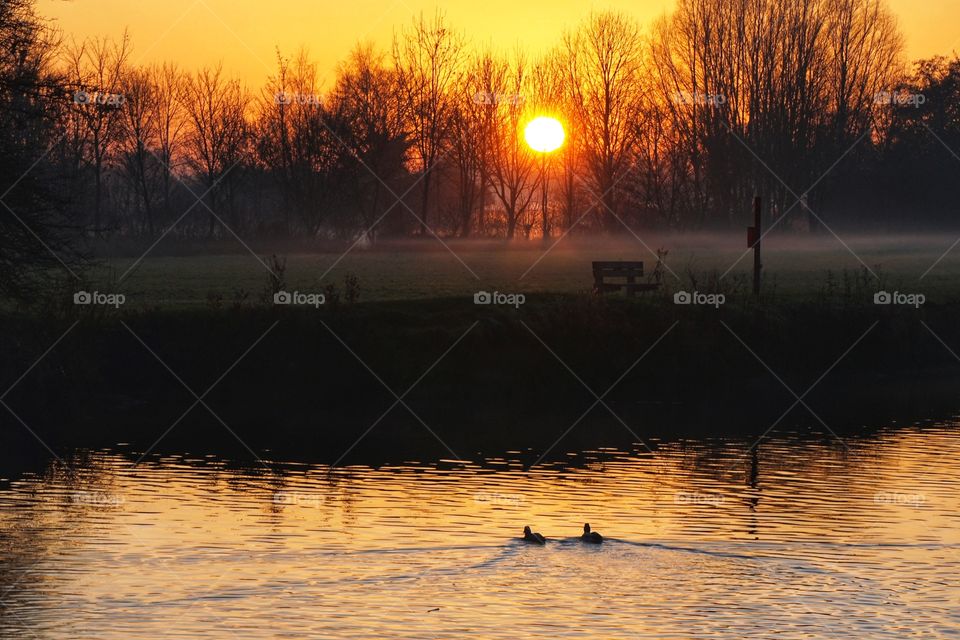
{"x": 244, "y": 33}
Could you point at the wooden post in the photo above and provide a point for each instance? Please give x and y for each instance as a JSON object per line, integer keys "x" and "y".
{"x": 543, "y": 206}
{"x": 758, "y": 232}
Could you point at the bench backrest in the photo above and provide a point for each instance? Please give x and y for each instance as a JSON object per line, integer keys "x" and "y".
{"x": 617, "y": 269}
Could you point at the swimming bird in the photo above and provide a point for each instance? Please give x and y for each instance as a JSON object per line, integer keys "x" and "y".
{"x": 530, "y": 536}
{"x": 591, "y": 536}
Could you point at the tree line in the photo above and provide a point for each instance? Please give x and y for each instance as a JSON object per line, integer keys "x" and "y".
{"x": 676, "y": 125}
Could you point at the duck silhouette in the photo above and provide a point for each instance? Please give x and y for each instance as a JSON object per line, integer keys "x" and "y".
{"x": 590, "y": 536}
{"x": 530, "y": 536}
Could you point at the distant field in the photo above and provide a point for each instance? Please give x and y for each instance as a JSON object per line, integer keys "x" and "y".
{"x": 795, "y": 268}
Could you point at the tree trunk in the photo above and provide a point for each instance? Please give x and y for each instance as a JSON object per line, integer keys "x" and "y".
{"x": 424, "y": 206}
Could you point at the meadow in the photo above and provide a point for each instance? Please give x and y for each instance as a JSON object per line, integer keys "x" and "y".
{"x": 796, "y": 268}
{"x": 713, "y": 369}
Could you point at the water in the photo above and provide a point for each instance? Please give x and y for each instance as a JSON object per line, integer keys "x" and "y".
{"x": 805, "y": 539}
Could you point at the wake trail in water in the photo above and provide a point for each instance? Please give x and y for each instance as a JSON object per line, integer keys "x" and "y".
{"x": 669, "y": 547}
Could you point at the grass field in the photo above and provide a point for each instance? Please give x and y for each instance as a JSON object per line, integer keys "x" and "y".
{"x": 509, "y": 366}
{"x": 795, "y": 268}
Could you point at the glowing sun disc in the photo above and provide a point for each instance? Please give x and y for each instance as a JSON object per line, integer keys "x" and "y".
{"x": 544, "y": 134}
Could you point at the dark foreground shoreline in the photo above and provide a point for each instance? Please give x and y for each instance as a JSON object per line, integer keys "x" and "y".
{"x": 314, "y": 381}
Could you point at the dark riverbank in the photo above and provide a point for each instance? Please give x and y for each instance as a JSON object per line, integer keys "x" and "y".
{"x": 311, "y": 385}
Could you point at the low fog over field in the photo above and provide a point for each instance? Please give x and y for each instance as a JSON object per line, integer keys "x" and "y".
{"x": 794, "y": 266}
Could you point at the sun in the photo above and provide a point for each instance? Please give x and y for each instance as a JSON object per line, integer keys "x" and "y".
{"x": 544, "y": 134}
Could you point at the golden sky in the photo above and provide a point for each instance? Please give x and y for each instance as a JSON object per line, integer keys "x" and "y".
{"x": 245, "y": 33}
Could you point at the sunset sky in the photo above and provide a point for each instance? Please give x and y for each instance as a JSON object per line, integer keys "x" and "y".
{"x": 244, "y": 34}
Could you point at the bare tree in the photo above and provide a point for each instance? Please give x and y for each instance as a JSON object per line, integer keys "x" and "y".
{"x": 170, "y": 124}
{"x": 552, "y": 94}
{"x": 139, "y": 127}
{"x": 217, "y": 136}
{"x": 768, "y": 93}
{"x": 723, "y": 99}
{"x": 38, "y": 237}
{"x": 603, "y": 64}
{"x": 372, "y": 112}
{"x": 513, "y": 175}
{"x": 303, "y": 143}
{"x": 427, "y": 59}
{"x": 96, "y": 69}
{"x": 283, "y": 117}
{"x": 472, "y": 131}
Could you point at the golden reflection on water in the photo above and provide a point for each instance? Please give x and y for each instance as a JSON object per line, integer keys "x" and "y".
{"x": 800, "y": 537}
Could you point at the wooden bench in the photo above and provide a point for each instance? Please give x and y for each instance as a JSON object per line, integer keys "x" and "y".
{"x": 629, "y": 271}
